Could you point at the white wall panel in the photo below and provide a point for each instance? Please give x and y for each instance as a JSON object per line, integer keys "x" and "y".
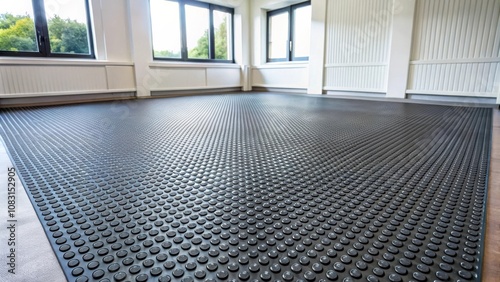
{"x": 456, "y": 47}
{"x": 219, "y": 77}
{"x": 171, "y": 78}
{"x": 357, "y": 36}
{"x": 356, "y": 78}
{"x": 456, "y": 29}
{"x": 475, "y": 78}
{"x": 295, "y": 77}
{"x": 51, "y": 79}
{"x": 39, "y": 78}
{"x": 162, "y": 77}
{"x": 120, "y": 77}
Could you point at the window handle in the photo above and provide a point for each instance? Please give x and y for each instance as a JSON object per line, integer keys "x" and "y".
{"x": 41, "y": 39}
{"x": 291, "y": 45}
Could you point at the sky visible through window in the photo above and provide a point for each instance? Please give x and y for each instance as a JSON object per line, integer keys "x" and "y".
{"x": 197, "y": 24}
{"x": 165, "y": 14}
{"x": 278, "y": 37}
{"x": 70, "y": 9}
{"x": 165, "y": 19}
{"x": 302, "y": 31}
{"x": 16, "y": 8}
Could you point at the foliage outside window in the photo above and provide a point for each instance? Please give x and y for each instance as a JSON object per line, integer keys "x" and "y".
{"x": 288, "y": 32}
{"x": 41, "y": 28}
{"x": 191, "y": 31}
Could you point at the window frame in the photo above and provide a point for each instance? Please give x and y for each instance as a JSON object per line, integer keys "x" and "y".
{"x": 42, "y": 36}
{"x": 289, "y": 48}
{"x": 211, "y": 32}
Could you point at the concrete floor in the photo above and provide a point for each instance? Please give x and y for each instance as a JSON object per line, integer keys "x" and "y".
{"x": 35, "y": 260}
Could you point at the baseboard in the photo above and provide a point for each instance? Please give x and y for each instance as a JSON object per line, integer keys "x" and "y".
{"x": 279, "y": 89}
{"x": 470, "y": 100}
{"x": 419, "y": 98}
{"x": 189, "y": 92}
{"x": 10, "y": 102}
{"x": 355, "y": 94}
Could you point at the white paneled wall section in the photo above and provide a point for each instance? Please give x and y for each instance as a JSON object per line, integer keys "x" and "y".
{"x": 456, "y": 48}
{"x": 357, "y": 45}
{"x": 172, "y": 77}
{"x": 282, "y": 76}
{"x": 59, "y": 78}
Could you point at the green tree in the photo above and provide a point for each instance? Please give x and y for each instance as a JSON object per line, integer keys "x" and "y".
{"x": 17, "y": 33}
{"x": 221, "y": 41}
{"x": 201, "y": 49}
{"x": 220, "y": 37}
{"x": 166, "y": 54}
{"x": 68, "y": 36}
{"x": 7, "y": 20}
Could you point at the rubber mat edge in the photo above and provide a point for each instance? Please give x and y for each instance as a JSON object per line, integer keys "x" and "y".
{"x": 39, "y": 216}
{"x": 489, "y": 129}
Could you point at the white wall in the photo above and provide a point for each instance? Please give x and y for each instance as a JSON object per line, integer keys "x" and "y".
{"x": 390, "y": 48}
{"x": 434, "y": 47}
{"x": 117, "y": 30}
{"x": 357, "y": 40}
{"x": 456, "y": 48}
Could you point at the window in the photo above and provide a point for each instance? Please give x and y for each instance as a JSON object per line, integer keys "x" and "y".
{"x": 288, "y": 33}
{"x": 191, "y": 31}
{"x": 47, "y": 28}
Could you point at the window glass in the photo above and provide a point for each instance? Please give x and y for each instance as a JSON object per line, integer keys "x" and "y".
{"x": 288, "y": 31}
{"x": 301, "y": 31}
{"x": 278, "y": 36}
{"x": 45, "y": 28}
{"x": 191, "y": 30}
{"x": 222, "y": 35}
{"x": 166, "y": 29}
{"x": 197, "y": 24}
{"x": 17, "y": 26}
{"x": 67, "y": 24}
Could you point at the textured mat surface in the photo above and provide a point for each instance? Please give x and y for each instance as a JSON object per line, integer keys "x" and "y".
{"x": 256, "y": 187}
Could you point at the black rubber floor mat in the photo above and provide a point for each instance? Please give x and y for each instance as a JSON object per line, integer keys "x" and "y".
{"x": 258, "y": 187}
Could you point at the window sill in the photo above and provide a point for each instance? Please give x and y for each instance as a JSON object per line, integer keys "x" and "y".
{"x": 283, "y": 65}
{"x": 59, "y": 62}
{"x": 165, "y": 64}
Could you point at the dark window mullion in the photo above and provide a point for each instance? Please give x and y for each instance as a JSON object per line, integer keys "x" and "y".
{"x": 268, "y": 37}
{"x": 42, "y": 35}
{"x": 290, "y": 34}
{"x": 89, "y": 30}
{"x": 232, "y": 37}
{"x": 182, "y": 11}
{"x": 211, "y": 34}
